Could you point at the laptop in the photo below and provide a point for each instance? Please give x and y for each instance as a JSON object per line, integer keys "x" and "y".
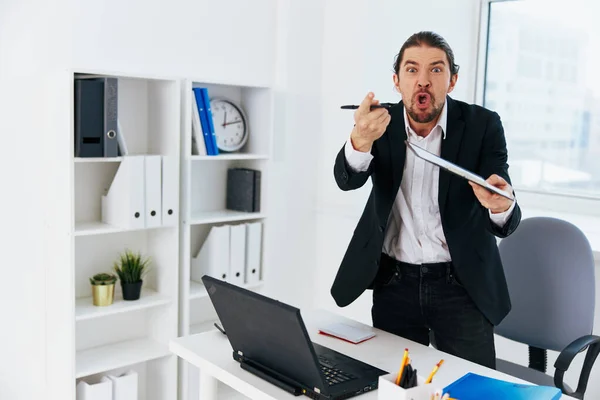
{"x": 270, "y": 340}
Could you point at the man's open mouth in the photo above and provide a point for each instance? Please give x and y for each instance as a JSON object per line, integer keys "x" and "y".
{"x": 423, "y": 100}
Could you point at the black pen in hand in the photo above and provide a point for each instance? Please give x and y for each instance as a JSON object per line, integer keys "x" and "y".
{"x": 373, "y": 106}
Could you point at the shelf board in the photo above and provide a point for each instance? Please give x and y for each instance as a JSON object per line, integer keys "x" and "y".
{"x": 85, "y": 309}
{"x": 211, "y": 217}
{"x": 100, "y": 228}
{"x": 97, "y": 159}
{"x": 198, "y": 290}
{"x": 232, "y": 156}
{"x": 118, "y": 355}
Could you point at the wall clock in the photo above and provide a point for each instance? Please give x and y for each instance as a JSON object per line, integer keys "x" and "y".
{"x": 231, "y": 124}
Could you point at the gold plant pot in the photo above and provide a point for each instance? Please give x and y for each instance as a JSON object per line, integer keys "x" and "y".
{"x": 103, "y": 295}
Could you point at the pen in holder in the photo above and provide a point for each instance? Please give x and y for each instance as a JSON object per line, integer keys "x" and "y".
{"x": 389, "y": 390}
{"x": 407, "y": 384}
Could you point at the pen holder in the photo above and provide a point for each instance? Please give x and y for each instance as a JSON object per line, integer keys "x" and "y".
{"x": 388, "y": 390}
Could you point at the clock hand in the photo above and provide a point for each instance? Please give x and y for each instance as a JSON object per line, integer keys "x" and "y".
{"x": 225, "y": 119}
{"x": 233, "y": 122}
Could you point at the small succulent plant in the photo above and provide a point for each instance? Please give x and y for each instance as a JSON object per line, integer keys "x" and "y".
{"x": 103, "y": 279}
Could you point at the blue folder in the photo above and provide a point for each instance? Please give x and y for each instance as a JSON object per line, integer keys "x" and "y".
{"x": 476, "y": 387}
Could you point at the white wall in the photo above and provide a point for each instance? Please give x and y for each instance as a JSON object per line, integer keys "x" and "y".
{"x": 227, "y": 40}
{"x": 298, "y": 115}
{"x": 34, "y": 55}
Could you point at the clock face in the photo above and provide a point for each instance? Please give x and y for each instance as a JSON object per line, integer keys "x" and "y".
{"x": 230, "y": 125}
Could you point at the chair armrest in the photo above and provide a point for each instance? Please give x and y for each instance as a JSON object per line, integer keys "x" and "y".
{"x": 566, "y": 357}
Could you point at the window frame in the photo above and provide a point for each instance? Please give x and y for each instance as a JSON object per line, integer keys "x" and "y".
{"x": 555, "y": 201}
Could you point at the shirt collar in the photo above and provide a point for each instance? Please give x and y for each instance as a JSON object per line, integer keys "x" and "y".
{"x": 442, "y": 120}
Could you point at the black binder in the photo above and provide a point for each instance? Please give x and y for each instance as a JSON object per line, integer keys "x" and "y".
{"x": 96, "y": 114}
{"x": 243, "y": 189}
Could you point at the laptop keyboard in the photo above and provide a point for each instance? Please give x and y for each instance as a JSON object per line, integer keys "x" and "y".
{"x": 333, "y": 375}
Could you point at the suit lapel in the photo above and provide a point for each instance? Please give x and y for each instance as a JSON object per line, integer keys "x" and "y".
{"x": 450, "y": 146}
{"x": 397, "y": 136}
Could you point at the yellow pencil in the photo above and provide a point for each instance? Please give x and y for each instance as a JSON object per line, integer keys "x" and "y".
{"x": 435, "y": 369}
{"x": 402, "y": 365}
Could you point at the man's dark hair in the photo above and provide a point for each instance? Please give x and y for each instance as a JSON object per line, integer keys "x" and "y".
{"x": 431, "y": 39}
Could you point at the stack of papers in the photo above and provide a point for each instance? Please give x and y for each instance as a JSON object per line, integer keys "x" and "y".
{"x": 476, "y": 387}
{"x": 347, "y": 332}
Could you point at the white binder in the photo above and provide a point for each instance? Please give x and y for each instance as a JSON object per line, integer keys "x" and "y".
{"x": 213, "y": 257}
{"x": 125, "y": 386}
{"x": 170, "y": 191}
{"x": 124, "y": 204}
{"x": 153, "y": 190}
{"x": 237, "y": 254}
{"x": 97, "y": 391}
{"x": 253, "y": 252}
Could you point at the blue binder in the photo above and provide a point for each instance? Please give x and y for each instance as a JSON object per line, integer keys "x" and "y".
{"x": 476, "y": 387}
{"x": 209, "y": 119}
{"x": 203, "y": 121}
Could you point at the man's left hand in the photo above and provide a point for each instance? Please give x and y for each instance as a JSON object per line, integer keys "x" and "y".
{"x": 492, "y": 201}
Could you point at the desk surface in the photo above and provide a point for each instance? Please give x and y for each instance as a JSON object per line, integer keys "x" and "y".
{"x": 212, "y": 353}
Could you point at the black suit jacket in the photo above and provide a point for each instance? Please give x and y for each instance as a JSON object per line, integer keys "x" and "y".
{"x": 474, "y": 140}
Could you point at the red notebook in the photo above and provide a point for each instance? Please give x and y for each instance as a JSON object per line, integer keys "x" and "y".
{"x": 347, "y": 332}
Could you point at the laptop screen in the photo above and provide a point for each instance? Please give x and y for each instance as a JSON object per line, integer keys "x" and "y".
{"x": 266, "y": 331}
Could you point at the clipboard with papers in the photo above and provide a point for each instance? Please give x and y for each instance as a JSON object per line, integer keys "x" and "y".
{"x": 455, "y": 169}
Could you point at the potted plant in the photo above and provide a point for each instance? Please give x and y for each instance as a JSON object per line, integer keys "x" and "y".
{"x": 131, "y": 268}
{"x": 103, "y": 289}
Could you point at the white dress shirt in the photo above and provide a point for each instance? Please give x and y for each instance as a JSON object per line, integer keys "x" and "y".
{"x": 414, "y": 231}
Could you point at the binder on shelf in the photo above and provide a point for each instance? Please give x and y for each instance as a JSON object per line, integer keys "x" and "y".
{"x": 209, "y": 119}
{"x": 210, "y": 146}
{"x": 153, "y": 190}
{"x": 213, "y": 257}
{"x": 97, "y": 391}
{"x": 125, "y": 386}
{"x": 243, "y": 189}
{"x": 96, "y": 116}
{"x": 124, "y": 204}
{"x": 170, "y": 190}
{"x": 198, "y": 142}
{"x": 89, "y": 117}
{"x": 237, "y": 254}
{"x": 111, "y": 113}
{"x": 123, "y": 151}
{"x": 253, "y": 252}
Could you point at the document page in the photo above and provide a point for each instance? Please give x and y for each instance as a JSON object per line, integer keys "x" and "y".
{"x": 455, "y": 169}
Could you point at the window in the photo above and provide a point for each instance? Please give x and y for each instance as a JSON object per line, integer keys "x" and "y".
{"x": 544, "y": 62}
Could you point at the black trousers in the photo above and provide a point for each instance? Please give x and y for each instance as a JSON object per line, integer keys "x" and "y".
{"x": 414, "y": 301}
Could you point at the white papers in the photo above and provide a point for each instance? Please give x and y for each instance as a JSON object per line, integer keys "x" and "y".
{"x": 125, "y": 386}
{"x": 347, "y": 332}
{"x": 455, "y": 169}
{"x": 97, "y": 391}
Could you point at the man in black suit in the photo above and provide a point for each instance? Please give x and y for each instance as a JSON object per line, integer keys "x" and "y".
{"x": 426, "y": 241}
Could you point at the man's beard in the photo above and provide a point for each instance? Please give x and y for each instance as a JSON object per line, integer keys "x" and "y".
{"x": 425, "y": 118}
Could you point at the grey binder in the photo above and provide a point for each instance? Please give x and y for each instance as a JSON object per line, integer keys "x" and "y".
{"x": 111, "y": 112}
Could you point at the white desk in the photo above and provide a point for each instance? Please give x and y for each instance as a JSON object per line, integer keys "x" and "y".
{"x": 212, "y": 354}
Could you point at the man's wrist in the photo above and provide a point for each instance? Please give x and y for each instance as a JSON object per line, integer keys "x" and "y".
{"x": 500, "y": 211}
{"x": 360, "y": 144}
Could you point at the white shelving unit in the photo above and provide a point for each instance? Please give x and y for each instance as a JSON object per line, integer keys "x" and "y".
{"x": 204, "y": 202}
{"x": 128, "y": 335}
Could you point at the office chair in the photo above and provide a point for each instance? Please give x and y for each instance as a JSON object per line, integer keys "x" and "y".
{"x": 549, "y": 268}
